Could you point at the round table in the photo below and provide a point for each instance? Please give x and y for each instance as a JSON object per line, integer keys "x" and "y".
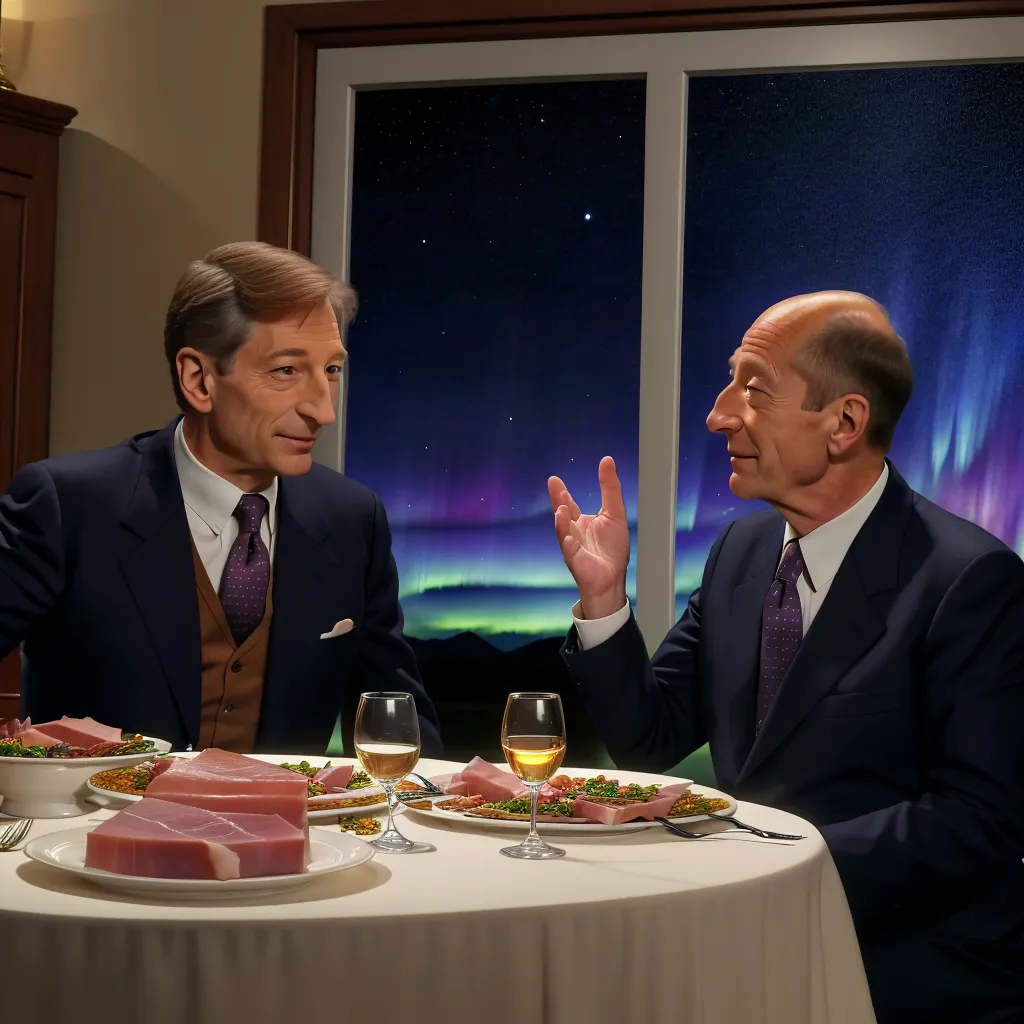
{"x": 639, "y": 927}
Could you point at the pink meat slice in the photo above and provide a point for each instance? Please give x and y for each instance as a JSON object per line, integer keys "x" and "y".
{"x": 676, "y": 790}
{"x": 452, "y": 784}
{"x": 36, "y": 738}
{"x": 619, "y": 814}
{"x": 79, "y": 732}
{"x": 159, "y": 839}
{"x": 483, "y": 779}
{"x": 336, "y": 778}
{"x": 229, "y": 783}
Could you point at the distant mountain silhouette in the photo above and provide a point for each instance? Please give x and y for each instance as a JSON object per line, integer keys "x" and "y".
{"x": 469, "y": 680}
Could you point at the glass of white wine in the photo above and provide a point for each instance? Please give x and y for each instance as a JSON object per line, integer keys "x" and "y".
{"x": 533, "y": 738}
{"x": 387, "y": 742}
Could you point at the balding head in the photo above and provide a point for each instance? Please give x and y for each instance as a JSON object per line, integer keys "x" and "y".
{"x": 843, "y": 343}
{"x": 818, "y": 384}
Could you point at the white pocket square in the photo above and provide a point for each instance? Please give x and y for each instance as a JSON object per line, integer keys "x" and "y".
{"x": 340, "y": 629}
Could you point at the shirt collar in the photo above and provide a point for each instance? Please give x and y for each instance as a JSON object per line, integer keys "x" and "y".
{"x": 824, "y": 548}
{"x": 212, "y": 498}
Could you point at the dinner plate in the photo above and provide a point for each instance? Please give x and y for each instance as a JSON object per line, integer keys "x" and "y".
{"x": 97, "y": 795}
{"x": 471, "y": 821}
{"x": 330, "y": 852}
{"x": 114, "y": 800}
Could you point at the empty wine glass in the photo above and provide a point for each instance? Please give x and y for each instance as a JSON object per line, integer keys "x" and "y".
{"x": 387, "y": 742}
{"x": 533, "y": 738}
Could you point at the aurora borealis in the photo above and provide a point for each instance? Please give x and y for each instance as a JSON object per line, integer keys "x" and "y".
{"x": 498, "y": 339}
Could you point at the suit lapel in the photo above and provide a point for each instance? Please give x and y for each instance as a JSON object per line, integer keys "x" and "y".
{"x": 304, "y": 575}
{"x": 159, "y": 573}
{"x": 846, "y": 626}
{"x": 741, "y": 659}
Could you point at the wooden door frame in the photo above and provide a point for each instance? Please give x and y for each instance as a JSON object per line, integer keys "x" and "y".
{"x": 294, "y": 33}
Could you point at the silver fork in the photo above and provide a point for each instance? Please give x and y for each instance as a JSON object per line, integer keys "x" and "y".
{"x": 425, "y": 784}
{"x": 14, "y": 833}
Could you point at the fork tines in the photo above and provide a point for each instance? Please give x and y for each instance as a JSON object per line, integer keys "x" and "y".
{"x": 14, "y": 833}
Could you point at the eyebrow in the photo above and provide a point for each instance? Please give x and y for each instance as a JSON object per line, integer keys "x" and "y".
{"x": 756, "y": 361}
{"x": 292, "y": 353}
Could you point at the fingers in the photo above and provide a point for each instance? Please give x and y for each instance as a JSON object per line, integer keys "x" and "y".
{"x": 563, "y": 523}
{"x": 555, "y": 488}
{"x": 611, "y": 489}
{"x": 559, "y": 495}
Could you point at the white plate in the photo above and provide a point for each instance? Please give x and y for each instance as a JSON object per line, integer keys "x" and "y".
{"x": 108, "y": 798}
{"x": 330, "y": 852}
{"x": 556, "y": 829}
{"x": 56, "y": 787}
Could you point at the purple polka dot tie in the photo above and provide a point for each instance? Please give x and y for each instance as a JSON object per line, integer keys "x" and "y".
{"x": 243, "y": 586}
{"x": 782, "y": 628}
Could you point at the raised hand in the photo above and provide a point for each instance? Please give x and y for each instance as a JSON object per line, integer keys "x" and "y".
{"x": 595, "y": 547}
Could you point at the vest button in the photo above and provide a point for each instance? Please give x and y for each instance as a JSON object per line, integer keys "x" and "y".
{"x": 229, "y": 707}
{"x": 236, "y": 666}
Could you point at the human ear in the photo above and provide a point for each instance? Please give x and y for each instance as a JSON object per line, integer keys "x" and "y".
{"x": 193, "y": 379}
{"x": 853, "y": 413}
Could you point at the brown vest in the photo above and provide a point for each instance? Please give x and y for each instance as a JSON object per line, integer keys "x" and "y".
{"x": 232, "y": 675}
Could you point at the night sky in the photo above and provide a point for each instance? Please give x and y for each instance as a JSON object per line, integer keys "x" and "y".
{"x": 905, "y": 184}
{"x": 496, "y": 247}
{"x": 497, "y": 235}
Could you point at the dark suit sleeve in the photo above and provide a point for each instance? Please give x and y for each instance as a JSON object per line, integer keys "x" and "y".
{"x": 647, "y": 710}
{"x": 385, "y": 660}
{"x": 31, "y": 553}
{"x": 968, "y": 823}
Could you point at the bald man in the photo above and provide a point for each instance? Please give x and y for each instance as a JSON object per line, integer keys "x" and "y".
{"x": 855, "y": 656}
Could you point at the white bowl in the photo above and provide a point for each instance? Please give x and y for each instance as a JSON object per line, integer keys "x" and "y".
{"x": 55, "y": 787}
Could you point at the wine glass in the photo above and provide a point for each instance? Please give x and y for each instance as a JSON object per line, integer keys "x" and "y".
{"x": 533, "y": 738}
{"x": 387, "y": 742}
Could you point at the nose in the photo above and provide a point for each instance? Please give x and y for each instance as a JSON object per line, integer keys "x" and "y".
{"x": 318, "y": 400}
{"x": 723, "y": 418}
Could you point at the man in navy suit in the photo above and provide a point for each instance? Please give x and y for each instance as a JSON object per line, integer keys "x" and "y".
{"x": 207, "y": 583}
{"x": 855, "y": 656}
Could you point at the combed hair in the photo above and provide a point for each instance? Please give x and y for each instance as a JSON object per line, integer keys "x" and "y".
{"x": 849, "y": 355}
{"x": 221, "y": 297}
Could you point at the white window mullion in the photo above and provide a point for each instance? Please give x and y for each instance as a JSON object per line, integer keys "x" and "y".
{"x": 664, "y": 169}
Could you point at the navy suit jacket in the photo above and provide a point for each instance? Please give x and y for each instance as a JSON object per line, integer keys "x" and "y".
{"x": 899, "y": 728}
{"x": 97, "y": 580}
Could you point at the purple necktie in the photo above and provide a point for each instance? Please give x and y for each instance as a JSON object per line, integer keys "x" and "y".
{"x": 243, "y": 586}
{"x": 782, "y": 628}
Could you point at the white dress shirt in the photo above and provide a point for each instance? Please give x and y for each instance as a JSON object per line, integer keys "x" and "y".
{"x": 823, "y": 550}
{"x": 210, "y": 502}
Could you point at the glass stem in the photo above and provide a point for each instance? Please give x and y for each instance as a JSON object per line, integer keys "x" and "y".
{"x": 534, "y": 837}
{"x": 388, "y": 791}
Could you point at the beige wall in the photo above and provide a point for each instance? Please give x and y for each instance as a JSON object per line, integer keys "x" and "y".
{"x": 159, "y": 166}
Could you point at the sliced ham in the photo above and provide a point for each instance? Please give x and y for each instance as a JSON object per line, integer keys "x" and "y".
{"x": 79, "y": 732}
{"x": 454, "y": 785}
{"x": 336, "y": 778}
{"x": 491, "y": 783}
{"x": 547, "y": 794}
{"x": 37, "y": 738}
{"x": 225, "y": 782}
{"x": 676, "y": 790}
{"x": 160, "y": 839}
{"x": 610, "y": 813}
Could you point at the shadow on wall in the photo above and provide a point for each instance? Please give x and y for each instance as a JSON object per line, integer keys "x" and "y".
{"x": 124, "y": 237}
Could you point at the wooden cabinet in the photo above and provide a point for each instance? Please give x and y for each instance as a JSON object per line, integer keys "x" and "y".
{"x": 30, "y": 131}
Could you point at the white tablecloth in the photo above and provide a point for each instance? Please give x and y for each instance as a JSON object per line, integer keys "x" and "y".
{"x": 641, "y": 927}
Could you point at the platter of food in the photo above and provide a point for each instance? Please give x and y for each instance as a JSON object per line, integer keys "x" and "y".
{"x": 328, "y": 852}
{"x": 484, "y": 796}
{"x": 44, "y": 768}
{"x": 341, "y": 790}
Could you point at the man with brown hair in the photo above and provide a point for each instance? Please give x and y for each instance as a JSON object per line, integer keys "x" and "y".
{"x": 207, "y": 583}
{"x": 855, "y": 656}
